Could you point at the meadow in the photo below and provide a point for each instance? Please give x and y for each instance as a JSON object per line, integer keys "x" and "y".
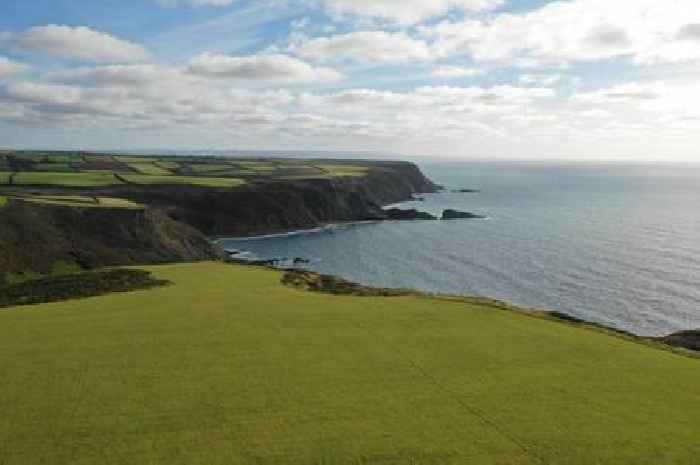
{"x": 65, "y": 179}
{"x": 227, "y": 365}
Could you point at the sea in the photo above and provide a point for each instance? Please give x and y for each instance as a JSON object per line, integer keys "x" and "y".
{"x": 612, "y": 243}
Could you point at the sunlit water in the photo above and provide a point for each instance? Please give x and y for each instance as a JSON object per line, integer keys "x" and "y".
{"x": 616, "y": 244}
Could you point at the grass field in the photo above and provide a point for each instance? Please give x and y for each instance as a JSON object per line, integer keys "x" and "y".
{"x": 210, "y": 167}
{"x": 183, "y": 180}
{"x": 343, "y": 170}
{"x": 227, "y": 366}
{"x": 83, "y": 202}
{"x": 124, "y": 159}
{"x": 3, "y": 201}
{"x": 168, "y": 165}
{"x": 66, "y": 179}
{"x": 149, "y": 168}
{"x": 5, "y": 177}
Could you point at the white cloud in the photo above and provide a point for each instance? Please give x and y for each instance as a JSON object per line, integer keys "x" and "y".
{"x": 623, "y": 93}
{"x": 118, "y": 75}
{"x": 647, "y": 31}
{"x": 404, "y": 12}
{"x": 261, "y": 67}
{"x": 9, "y": 67}
{"x": 541, "y": 79}
{"x": 363, "y": 46}
{"x": 455, "y": 72}
{"x": 79, "y": 43}
{"x": 195, "y": 2}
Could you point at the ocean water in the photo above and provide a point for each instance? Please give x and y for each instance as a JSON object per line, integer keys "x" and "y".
{"x": 617, "y": 244}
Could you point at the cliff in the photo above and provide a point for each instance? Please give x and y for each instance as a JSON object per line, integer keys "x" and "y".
{"x": 177, "y": 219}
{"x": 41, "y": 238}
{"x": 263, "y": 206}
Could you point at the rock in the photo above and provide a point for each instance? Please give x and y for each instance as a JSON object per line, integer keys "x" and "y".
{"x": 458, "y": 215}
{"x": 466, "y": 191}
{"x": 687, "y": 339}
{"x": 403, "y": 215}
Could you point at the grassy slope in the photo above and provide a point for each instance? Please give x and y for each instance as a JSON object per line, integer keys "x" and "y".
{"x": 228, "y": 366}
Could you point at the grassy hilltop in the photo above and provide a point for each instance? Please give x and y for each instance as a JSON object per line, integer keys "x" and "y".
{"x": 228, "y": 366}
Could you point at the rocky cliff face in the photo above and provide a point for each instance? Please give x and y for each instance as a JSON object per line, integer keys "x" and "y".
{"x": 178, "y": 219}
{"x": 263, "y": 207}
{"x": 40, "y": 238}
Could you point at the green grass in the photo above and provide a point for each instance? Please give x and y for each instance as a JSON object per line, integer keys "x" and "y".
{"x": 5, "y": 177}
{"x": 209, "y": 168}
{"x": 149, "y": 168}
{"x": 66, "y": 179}
{"x": 343, "y": 170}
{"x": 124, "y": 159}
{"x": 256, "y": 165}
{"x": 183, "y": 180}
{"x": 3, "y": 201}
{"x": 168, "y": 165}
{"x": 61, "y": 158}
{"x": 83, "y": 202}
{"x": 226, "y": 366}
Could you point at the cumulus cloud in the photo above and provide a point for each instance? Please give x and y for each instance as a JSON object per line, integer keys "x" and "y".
{"x": 455, "y": 72}
{"x": 118, "y": 75}
{"x": 647, "y": 31}
{"x": 363, "y": 46}
{"x": 260, "y": 67}
{"x": 404, "y": 12}
{"x": 9, "y": 67}
{"x": 143, "y": 97}
{"x": 79, "y": 43}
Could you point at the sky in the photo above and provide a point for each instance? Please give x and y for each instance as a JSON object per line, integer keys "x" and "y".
{"x": 463, "y": 79}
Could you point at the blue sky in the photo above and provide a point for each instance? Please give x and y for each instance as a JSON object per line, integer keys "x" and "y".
{"x": 570, "y": 79}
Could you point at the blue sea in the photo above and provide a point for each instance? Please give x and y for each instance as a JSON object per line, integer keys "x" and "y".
{"x": 618, "y": 244}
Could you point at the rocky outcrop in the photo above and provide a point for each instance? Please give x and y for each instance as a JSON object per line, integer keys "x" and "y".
{"x": 40, "y": 238}
{"x": 458, "y": 215}
{"x": 406, "y": 215}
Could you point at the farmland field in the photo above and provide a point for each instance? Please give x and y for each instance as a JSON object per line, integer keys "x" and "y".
{"x": 183, "y": 180}
{"x": 83, "y": 202}
{"x": 206, "y": 168}
{"x": 343, "y": 170}
{"x": 226, "y": 365}
{"x": 66, "y": 179}
{"x": 149, "y": 168}
{"x": 5, "y": 177}
{"x": 95, "y": 170}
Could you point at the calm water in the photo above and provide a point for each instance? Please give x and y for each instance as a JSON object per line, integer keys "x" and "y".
{"x": 617, "y": 244}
